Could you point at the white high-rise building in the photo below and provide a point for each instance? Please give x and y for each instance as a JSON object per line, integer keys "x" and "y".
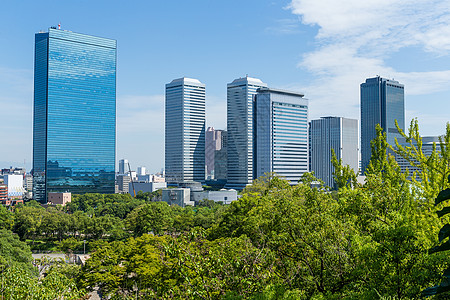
{"x": 123, "y": 165}
{"x": 339, "y": 134}
{"x": 141, "y": 170}
{"x": 240, "y": 131}
{"x": 281, "y": 134}
{"x": 185, "y": 131}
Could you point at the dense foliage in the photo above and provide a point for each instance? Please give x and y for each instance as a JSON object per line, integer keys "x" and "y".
{"x": 363, "y": 241}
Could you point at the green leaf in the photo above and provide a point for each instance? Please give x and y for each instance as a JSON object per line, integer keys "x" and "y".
{"x": 443, "y": 212}
{"x": 445, "y": 246}
{"x": 443, "y": 195}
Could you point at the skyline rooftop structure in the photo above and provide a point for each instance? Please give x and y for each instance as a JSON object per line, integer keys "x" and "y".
{"x": 382, "y": 102}
{"x": 185, "y": 122}
{"x": 240, "y": 94}
{"x": 339, "y": 134}
{"x": 280, "y": 134}
{"x": 74, "y": 116}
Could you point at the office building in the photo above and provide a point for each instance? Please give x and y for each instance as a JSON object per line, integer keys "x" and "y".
{"x": 185, "y": 131}
{"x": 15, "y": 185}
{"x": 240, "y": 94}
{"x": 123, "y": 166}
{"x": 428, "y": 143}
{"x": 339, "y": 134}
{"x": 382, "y": 102}
{"x": 220, "y": 159}
{"x": 281, "y": 134}
{"x": 141, "y": 170}
{"x": 123, "y": 183}
{"x": 74, "y": 122}
{"x": 213, "y": 143}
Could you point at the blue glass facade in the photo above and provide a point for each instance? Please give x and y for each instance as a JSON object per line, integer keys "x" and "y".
{"x": 382, "y": 102}
{"x": 74, "y": 129}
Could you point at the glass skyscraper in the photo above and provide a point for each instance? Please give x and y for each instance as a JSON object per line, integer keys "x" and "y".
{"x": 185, "y": 131}
{"x": 74, "y": 121}
{"x": 382, "y": 102}
{"x": 339, "y": 134}
{"x": 280, "y": 134}
{"x": 240, "y": 131}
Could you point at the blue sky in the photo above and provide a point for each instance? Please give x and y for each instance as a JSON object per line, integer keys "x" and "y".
{"x": 323, "y": 48}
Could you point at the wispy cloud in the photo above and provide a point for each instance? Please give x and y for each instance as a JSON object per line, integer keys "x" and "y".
{"x": 355, "y": 38}
{"x": 284, "y": 27}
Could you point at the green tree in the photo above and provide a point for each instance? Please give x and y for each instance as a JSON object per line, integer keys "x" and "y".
{"x": 153, "y": 217}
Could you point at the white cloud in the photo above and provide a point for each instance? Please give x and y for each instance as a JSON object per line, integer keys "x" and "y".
{"x": 354, "y": 40}
{"x": 284, "y": 27}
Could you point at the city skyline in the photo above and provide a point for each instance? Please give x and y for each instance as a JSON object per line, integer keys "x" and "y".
{"x": 296, "y": 45}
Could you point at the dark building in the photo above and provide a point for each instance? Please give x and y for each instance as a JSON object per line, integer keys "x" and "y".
{"x": 382, "y": 102}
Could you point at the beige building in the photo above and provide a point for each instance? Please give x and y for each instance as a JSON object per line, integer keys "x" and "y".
{"x": 59, "y": 198}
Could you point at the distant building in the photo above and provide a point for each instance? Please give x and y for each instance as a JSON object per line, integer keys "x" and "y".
{"x": 339, "y": 134}
{"x": 185, "y": 131}
{"x": 224, "y": 196}
{"x": 15, "y": 186}
{"x": 3, "y": 192}
{"x": 221, "y": 159}
{"x": 141, "y": 171}
{"x": 59, "y": 198}
{"x": 240, "y": 94}
{"x": 427, "y": 149}
{"x": 146, "y": 186}
{"x": 213, "y": 143}
{"x": 280, "y": 134}
{"x": 123, "y": 183}
{"x": 144, "y": 178}
{"x": 74, "y": 120}
{"x": 177, "y": 196}
{"x": 123, "y": 165}
{"x": 382, "y": 102}
{"x": 156, "y": 178}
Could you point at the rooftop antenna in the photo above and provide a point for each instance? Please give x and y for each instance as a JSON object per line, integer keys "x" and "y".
{"x": 59, "y": 26}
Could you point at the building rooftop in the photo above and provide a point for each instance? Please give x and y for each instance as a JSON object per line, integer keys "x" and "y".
{"x": 247, "y": 80}
{"x": 279, "y": 91}
{"x": 186, "y": 80}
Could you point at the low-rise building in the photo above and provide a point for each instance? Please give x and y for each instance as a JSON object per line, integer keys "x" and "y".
{"x": 59, "y": 198}
{"x": 146, "y": 186}
{"x": 15, "y": 186}
{"x": 123, "y": 183}
{"x": 177, "y": 196}
{"x": 3, "y": 192}
{"x": 224, "y": 196}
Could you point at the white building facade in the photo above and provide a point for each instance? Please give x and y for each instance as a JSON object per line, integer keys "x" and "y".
{"x": 339, "y": 134}
{"x": 281, "y": 134}
{"x": 185, "y": 131}
{"x": 240, "y": 95}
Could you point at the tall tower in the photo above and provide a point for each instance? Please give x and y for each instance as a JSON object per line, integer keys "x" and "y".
{"x": 123, "y": 165}
{"x": 74, "y": 117}
{"x": 339, "y": 134}
{"x": 382, "y": 102}
{"x": 185, "y": 131}
{"x": 240, "y": 131}
{"x": 281, "y": 134}
{"x": 213, "y": 143}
